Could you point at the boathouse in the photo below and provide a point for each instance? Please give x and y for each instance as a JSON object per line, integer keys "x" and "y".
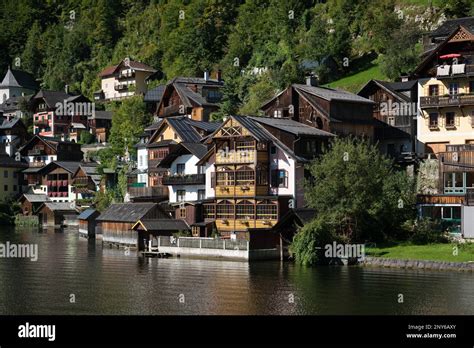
{"x": 150, "y": 229}
{"x": 30, "y": 202}
{"x": 117, "y": 221}
{"x": 87, "y": 223}
{"x": 54, "y": 214}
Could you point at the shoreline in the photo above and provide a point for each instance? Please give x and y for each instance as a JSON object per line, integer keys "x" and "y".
{"x": 417, "y": 264}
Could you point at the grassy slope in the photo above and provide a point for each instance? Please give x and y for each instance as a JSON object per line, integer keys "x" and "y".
{"x": 432, "y": 252}
{"x": 353, "y": 83}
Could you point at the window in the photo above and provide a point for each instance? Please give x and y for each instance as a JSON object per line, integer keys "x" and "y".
{"x": 433, "y": 119}
{"x": 15, "y": 188}
{"x": 273, "y": 150}
{"x": 453, "y": 88}
{"x": 5, "y": 173}
{"x": 201, "y": 195}
{"x": 225, "y": 210}
{"x": 278, "y": 113}
{"x": 280, "y": 178}
{"x": 433, "y": 90}
{"x": 201, "y": 169}
{"x": 5, "y": 188}
{"x": 180, "y": 168}
{"x": 140, "y": 160}
{"x": 209, "y": 211}
{"x": 267, "y": 211}
{"x": 454, "y": 182}
{"x": 450, "y": 120}
{"x": 451, "y": 213}
{"x": 180, "y": 195}
{"x": 181, "y": 213}
{"x": 244, "y": 176}
{"x": 244, "y": 211}
{"x": 391, "y": 121}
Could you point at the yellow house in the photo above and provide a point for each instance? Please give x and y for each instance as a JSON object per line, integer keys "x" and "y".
{"x": 10, "y": 176}
{"x": 446, "y": 94}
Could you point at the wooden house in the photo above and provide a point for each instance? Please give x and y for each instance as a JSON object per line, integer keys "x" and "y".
{"x": 149, "y": 229}
{"x": 87, "y": 223}
{"x": 56, "y": 179}
{"x": 85, "y": 183}
{"x": 53, "y": 214}
{"x": 99, "y": 124}
{"x": 255, "y": 174}
{"x": 190, "y": 96}
{"x": 331, "y": 110}
{"x": 30, "y": 203}
{"x": 395, "y": 111}
{"x": 117, "y": 221}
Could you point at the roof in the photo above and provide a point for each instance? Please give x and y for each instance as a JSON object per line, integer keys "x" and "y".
{"x": 305, "y": 215}
{"x": 450, "y": 25}
{"x": 77, "y": 125}
{"x": 126, "y": 212}
{"x": 60, "y": 206}
{"x": 9, "y": 162}
{"x": 163, "y": 224}
{"x": 393, "y": 88}
{"x": 101, "y": 115}
{"x": 19, "y": 78}
{"x": 331, "y": 94}
{"x": 162, "y": 143}
{"x": 154, "y": 95}
{"x": 291, "y": 126}
{"x": 69, "y": 166}
{"x": 5, "y": 124}
{"x": 206, "y": 126}
{"x": 51, "y": 142}
{"x": 87, "y": 214}
{"x": 36, "y": 198}
{"x": 154, "y": 126}
{"x": 13, "y": 103}
{"x": 197, "y": 149}
{"x": 132, "y": 64}
{"x": 184, "y": 129}
{"x": 51, "y": 98}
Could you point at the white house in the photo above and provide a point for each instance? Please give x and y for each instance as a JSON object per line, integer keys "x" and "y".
{"x": 17, "y": 83}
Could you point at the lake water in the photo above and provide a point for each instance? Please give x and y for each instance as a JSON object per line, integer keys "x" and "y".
{"x": 105, "y": 280}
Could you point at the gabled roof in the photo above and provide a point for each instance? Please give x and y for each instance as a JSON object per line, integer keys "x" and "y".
{"x": 51, "y": 98}
{"x": 139, "y": 66}
{"x": 126, "y": 212}
{"x": 389, "y": 87}
{"x": 331, "y": 94}
{"x": 154, "y": 126}
{"x": 101, "y": 115}
{"x": 450, "y": 25}
{"x": 154, "y": 95}
{"x": 14, "y": 122}
{"x": 291, "y": 126}
{"x": 184, "y": 129}
{"x": 59, "y": 206}
{"x": 53, "y": 143}
{"x": 208, "y": 127}
{"x": 13, "y": 103}
{"x": 35, "y": 198}
{"x": 162, "y": 225}
{"x": 69, "y": 166}
{"x": 19, "y": 78}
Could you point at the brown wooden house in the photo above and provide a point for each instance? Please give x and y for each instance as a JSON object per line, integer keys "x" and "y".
{"x": 99, "y": 124}
{"x": 57, "y": 177}
{"x": 193, "y": 96}
{"x": 331, "y": 110}
{"x": 53, "y": 214}
{"x": 149, "y": 229}
{"x": 30, "y": 203}
{"x": 87, "y": 223}
{"x": 39, "y": 151}
{"x": 117, "y": 221}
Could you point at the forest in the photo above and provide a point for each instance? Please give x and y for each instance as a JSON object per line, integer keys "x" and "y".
{"x": 68, "y": 42}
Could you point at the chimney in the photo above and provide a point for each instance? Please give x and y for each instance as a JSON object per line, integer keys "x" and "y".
{"x": 206, "y": 75}
{"x": 219, "y": 75}
{"x": 404, "y": 78}
{"x": 311, "y": 80}
{"x": 66, "y": 89}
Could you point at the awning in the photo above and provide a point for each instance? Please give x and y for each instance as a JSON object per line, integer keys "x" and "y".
{"x": 451, "y": 55}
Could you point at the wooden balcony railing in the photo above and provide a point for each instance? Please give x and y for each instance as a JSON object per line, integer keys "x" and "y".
{"x": 442, "y": 101}
{"x": 155, "y": 191}
{"x": 192, "y": 179}
{"x": 228, "y": 157}
{"x": 36, "y": 152}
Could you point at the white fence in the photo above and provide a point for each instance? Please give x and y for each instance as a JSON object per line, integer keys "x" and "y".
{"x": 203, "y": 243}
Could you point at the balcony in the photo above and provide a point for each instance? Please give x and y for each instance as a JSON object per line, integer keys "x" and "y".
{"x": 37, "y": 152}
{"x": 124, "y": 74}
{"x": 446, "y": 101}
{"x": 37, "y": 164}
{"x": 192, "y": 179}
{"x": 121, "y": 87}
{"x": 231, "y": 157}
{"x": 148, "y": 192}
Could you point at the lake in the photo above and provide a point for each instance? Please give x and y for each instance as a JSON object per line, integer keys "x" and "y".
{"x": 104, "y": 280}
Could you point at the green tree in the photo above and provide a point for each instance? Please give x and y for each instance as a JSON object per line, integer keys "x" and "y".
{"x": 357, "y": 187}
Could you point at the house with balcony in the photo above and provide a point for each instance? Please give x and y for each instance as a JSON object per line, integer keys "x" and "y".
{"x": 85, "y": 184}
{"x": 13, "y": 134}
{"x": 58, "y": 114}
{"x": 395, "y": 112}
{"x": 453, "y": 201}
{"x": 255, "y": 174}
{"x": 331, "y": 110}
{"x": 446, "y": 93}
{"x": 194, "y": 97}
{"x": 170, "y": 132}
{"x": 57, "y": 180}
{"x": 99, "y": 124}
{"x": 126, "y": 79}
{"x": 186, "y": 183}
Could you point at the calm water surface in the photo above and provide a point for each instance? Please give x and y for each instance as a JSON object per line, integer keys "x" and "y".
{"x": 106, "y": 281}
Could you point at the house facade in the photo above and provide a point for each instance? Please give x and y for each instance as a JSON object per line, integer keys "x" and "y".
{"x": 446, "y": 94}
{"x": 10, "y": 176}
{"x": 123, "y": 80}
{"x": 328, "y": 109}
{"x": 13, "y": 134}
{"x": 17, "y": 83}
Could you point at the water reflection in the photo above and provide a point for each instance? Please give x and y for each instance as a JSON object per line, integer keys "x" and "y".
{"x": 107, "y": 280}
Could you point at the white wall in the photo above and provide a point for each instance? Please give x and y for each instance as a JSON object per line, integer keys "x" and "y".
{"x": 210, "y": 192}
{"x": 280, "y": 160}
{"x": 190, "y": 167}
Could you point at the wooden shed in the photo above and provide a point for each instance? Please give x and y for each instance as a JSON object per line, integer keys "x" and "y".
{"x": 149, "y": 229}
{"x": 30, "y": 202}
{"x": 87, "y": 223}
{"x": 53, "y": 214}
{"x": 117, "y": 221}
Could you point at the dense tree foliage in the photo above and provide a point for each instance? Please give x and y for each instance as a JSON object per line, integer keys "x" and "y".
{"x": 69, "y": 41}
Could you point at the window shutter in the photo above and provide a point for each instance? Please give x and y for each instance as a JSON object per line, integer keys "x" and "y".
{"x": 213, "y": 180}
{"x": 274, "y": 178}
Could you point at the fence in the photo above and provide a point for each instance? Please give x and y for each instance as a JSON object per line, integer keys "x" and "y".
{"x": 202, "y": 243}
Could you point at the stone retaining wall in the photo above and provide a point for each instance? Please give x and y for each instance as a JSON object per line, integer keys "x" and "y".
{"x": 418, "y": 264}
